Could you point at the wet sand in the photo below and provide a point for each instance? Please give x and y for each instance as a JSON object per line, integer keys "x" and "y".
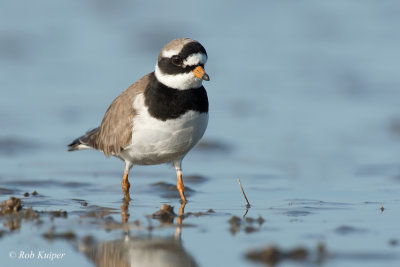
{"x": 304, "y": 110}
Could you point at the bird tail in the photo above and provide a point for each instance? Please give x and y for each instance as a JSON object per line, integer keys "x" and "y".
{"x": 86, "y": 141}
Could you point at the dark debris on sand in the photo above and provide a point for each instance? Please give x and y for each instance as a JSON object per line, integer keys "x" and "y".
{"x": 248, "y": 225}
{"x": 57, "y": 214}
{"x": 198, "y": 214}
{"x": 34, "y": 193}
{"x": 166, "y": 214}
{"x": 272, "y": 255}
{"x": 12, "y": 213}
{"x": 12, "y": 205}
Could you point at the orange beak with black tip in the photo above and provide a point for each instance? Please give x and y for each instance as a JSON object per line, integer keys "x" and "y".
{"x": 200, "y": 73}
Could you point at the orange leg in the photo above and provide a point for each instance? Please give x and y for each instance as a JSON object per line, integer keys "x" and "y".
{"x": 125, "y": 208}
{"x": 181, "y": 213}
{"x": 125, "y": 183}
{"x": 180, "y": 186}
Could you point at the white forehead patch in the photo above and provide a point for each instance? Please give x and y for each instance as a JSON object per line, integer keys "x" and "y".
{"x": 195, "y": 59}
{"x": 170, "y": 53}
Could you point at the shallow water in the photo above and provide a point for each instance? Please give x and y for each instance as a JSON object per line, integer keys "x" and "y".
{"x": 304, "y": 109}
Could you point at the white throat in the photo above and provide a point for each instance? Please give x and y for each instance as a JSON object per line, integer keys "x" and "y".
{"x": 181, "y": 81}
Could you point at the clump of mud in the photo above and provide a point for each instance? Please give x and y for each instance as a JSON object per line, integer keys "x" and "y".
{"x": 12, "y": 212}
{"x": 34, "y": 193}
{"x": 166, "y": 214}
{"x": 199, "y": 213}
{"x": 248, "y": 224}
{"x": 58, "y": 214}
{"x": 272, "y": 255}
{"x": 12, "y": 205}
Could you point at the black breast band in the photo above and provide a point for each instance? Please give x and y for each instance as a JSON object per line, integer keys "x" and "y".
{"x": 166, "y": 103}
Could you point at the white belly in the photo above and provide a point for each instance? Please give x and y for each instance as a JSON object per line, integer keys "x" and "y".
{"x": 156, "y": 142}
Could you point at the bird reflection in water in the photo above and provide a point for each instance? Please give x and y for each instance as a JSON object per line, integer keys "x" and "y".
{"x": 142, "y": 251}
{"x": 130, "y": 251}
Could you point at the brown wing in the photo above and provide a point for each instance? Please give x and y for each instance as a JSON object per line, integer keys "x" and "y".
{"x": 115, "y": 131}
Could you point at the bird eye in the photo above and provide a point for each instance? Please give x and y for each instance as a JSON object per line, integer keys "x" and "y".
{"x": 177, "y": 60}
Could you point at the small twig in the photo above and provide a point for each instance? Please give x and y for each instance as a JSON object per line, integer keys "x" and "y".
{"x": 247, "y": 210}
{"x": 244, "y": 194}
